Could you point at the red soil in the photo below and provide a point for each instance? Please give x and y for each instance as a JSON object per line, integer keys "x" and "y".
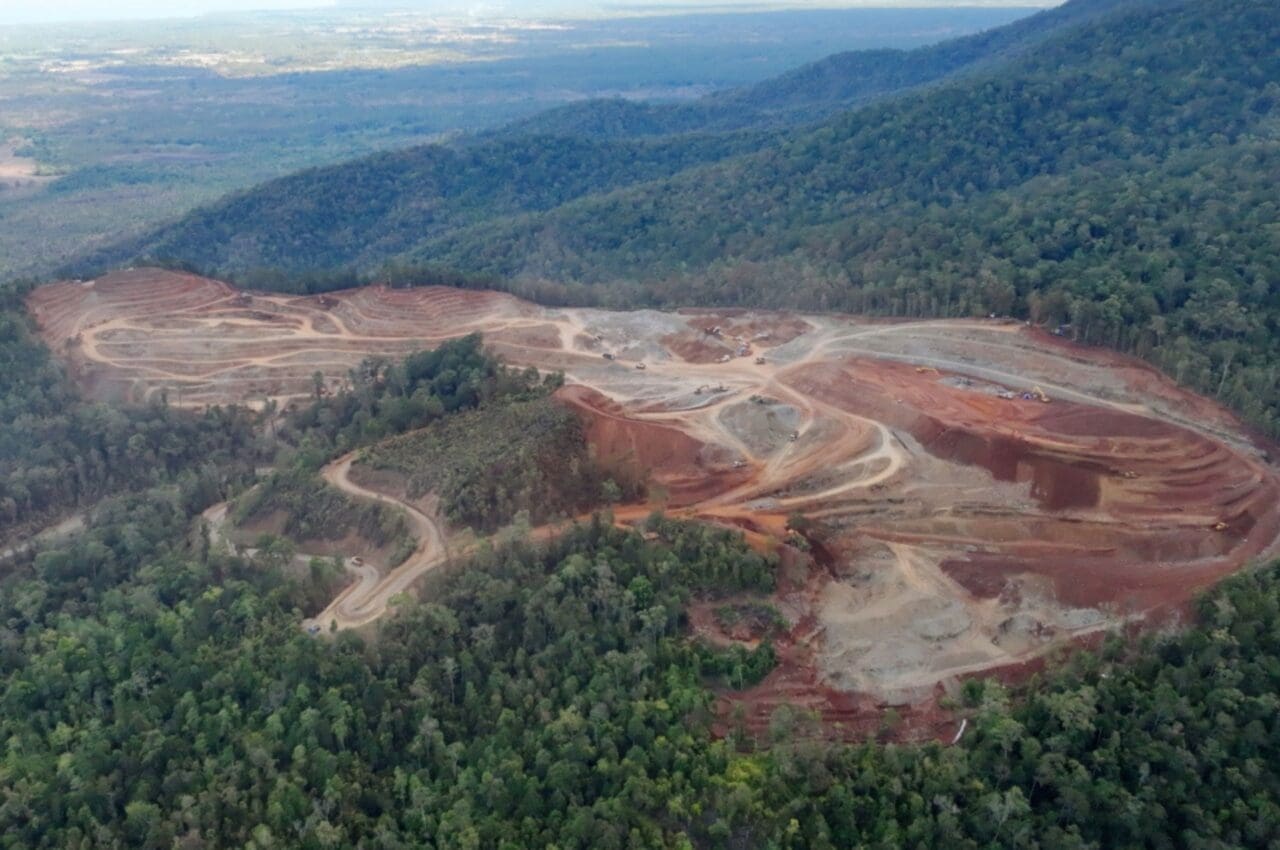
{"x": 637, "y": 450}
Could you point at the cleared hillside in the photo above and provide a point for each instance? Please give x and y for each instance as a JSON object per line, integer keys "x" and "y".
{"x": 960, "y": 514}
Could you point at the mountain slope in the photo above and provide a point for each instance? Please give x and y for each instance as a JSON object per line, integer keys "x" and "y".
{"x": 359, "y": 214}
{"x": 908, "y": 206}
{"x": 1133, "y": 89}
{"x": 818, "y": 89}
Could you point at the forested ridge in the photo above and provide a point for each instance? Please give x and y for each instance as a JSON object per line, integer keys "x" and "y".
{"x": 354, "y": 216}
{"x": 816, "y": 90}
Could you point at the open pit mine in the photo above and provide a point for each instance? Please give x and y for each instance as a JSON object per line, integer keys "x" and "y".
{"x": 985, "y": 491}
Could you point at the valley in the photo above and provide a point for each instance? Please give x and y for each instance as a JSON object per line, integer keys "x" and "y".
{"x": 959, "y": 523}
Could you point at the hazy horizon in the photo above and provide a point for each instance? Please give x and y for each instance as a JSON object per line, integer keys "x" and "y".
{"x": 86, "y": 11}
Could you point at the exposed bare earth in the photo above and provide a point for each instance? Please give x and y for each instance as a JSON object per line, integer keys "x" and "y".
{"x": 17, "y": 173}
{"x": 965, "y": 531}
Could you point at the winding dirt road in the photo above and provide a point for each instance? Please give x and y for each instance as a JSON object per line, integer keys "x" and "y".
{"x": 367, "y": 599}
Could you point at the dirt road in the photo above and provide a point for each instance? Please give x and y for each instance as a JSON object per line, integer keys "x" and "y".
{"x": 53, "y": 534}
{"x": 367, "y": 599}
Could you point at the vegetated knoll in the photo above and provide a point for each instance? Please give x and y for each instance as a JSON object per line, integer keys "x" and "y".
{"x": 491, "y": 464}
{"x": 295, "y": 503}
{"x": 964, "y": 525}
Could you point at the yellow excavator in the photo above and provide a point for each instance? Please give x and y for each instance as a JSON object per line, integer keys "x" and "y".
{"x": 1041, "y": 394}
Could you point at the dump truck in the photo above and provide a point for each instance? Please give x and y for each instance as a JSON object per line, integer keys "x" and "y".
{"x": 759, "y": 361}
{"x": 640, "y": 366}
{"x": 608, "y": 355}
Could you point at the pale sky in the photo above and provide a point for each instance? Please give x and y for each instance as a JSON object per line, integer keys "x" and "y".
{"x": 42, "y": 11}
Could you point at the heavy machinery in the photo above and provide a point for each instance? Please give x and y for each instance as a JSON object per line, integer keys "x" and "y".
{"x": 1041, "y": 395}
{"x": 759, "y": 361}
{"x": 641, "y": 366}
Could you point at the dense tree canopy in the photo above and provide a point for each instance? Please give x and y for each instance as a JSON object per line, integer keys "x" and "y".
{"x": 548, "y": 697}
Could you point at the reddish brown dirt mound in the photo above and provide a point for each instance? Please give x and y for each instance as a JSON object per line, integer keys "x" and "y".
{"x": 765, "y": 328}
{"x": 633, "y": 450}
{"x": 697, "y": 346}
